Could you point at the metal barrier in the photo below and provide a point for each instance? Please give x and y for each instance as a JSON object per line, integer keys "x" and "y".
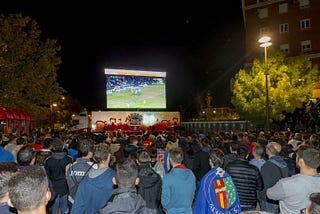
{"x": 216, "y": 126}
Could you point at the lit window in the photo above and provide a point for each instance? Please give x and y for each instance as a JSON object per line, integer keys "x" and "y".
{"x": 264, "y": 30}
{"x": 305, "y": 24}
{"x": 284, "y": 28}
{"x": 263, "y": 13}
{"x": 285, "y": 48}
{"x": 304, "y": 4}
{"x": 283, "y": 8}
{"x": 305, "y": 45}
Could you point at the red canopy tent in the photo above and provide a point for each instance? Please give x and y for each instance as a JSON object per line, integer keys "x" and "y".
{"x": 14, "y": 119}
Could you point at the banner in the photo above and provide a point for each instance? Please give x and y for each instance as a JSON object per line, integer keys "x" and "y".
{"x": 133, "y": 121}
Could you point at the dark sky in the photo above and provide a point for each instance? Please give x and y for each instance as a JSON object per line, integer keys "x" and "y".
{"x": 199, "y": 45}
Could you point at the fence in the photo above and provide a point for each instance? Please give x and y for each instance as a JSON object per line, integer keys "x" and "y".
{"x": 214, "y": 126}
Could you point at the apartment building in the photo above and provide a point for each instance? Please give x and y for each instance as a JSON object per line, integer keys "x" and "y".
{"x": 293, "y": 25}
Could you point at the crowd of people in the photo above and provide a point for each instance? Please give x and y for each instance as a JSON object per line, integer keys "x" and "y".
{"x": 160, "y": 172}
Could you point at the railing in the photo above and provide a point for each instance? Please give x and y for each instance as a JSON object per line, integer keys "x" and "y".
{"x": 214, "y": 126}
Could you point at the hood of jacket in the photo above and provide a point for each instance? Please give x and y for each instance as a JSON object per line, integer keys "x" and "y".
{"x": 148, "y": 177}
{"x": 278, "y": 161}
{"x": 99, "y": 177}
{"x": 183, "y": 173}
{"x": 124, "y": 201}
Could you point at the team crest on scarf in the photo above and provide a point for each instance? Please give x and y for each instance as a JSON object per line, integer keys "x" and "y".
{"x": 225, "y": 192}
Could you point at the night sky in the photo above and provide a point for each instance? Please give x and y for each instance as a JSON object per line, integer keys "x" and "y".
{"x": 199, "y": 45}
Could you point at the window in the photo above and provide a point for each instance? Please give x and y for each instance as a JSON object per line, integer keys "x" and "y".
{"x": 283, "y": 8}
{"x": 263, "y": 13}
{"x": 285, "y": 48}
{"x": 284, "y": 28}
{"x": 264, "y": 30}
{"x": 305, "y": 24}
{"x": 305, "y": 45}
{"x": 304, "y": 4}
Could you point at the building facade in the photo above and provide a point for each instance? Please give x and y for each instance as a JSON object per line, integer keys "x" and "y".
{"x": 293, "y": 25}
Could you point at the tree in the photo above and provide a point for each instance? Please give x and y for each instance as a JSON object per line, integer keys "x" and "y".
{"x": 28, "y": 66}
{"x": 291, "y": 81}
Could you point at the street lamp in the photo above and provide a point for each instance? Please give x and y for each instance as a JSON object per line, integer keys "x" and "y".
{"x": 264, "y": 43}
{"x": 51, "y": 108}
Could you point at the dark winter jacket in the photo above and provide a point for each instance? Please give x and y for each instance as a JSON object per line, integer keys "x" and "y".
{"x": 55, "y": 166}
{"x": 228, "y": 158}
{"x": 272, "y": 171}
{"x": 201, "y": 164}
{"x": 124, "y": 201}
{"x": 150, "y": 188}
{"x": 247, "y": 180}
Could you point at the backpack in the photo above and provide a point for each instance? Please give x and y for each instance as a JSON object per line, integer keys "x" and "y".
{"x": 74, "y": 188}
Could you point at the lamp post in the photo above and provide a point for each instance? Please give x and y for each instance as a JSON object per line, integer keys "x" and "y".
{"x": 51, "y": 108}
{"x": 264, "y": 43}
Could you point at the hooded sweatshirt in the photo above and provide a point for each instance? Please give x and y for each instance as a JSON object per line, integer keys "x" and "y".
{"x": 149, "y": 187}
{"x": 124, "y": 201}
{"x": 93, "y": 191}
{"x": 178, "y": 189}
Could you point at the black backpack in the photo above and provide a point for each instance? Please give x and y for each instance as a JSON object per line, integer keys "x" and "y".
{"x": 74, "y": 188}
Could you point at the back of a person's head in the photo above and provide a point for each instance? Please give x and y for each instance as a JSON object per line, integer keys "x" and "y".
{"x": 25, "y": 155}
{"x": 315, "y": 137}
{"x": 217, "y": 157}
{"x": 258, "y": 149}
{"x": 57, "y": 145}
{"x": 28, "y": 188}
{"x": 176, "y": 155}
{"x": 84, "y": 147}
{"x": 314, "y": 207}
{"x": 20, "y": 141}
{"x": 274, "y": 147}
{"x": 132, "y": 139}
{"x": 297, "y": 136}
{"x": 7, "y": 170}
{"x": 126, "y": 173}
{"x": 286, "y": 151}
{"x": 234, "y": 145}
{"x": 262, "y": 141}
{"x": 243, "y": 151}
{"x": 47, "y": 143}
{"x": 30, "y": 140}
{"x": 310, "y": 156}
{"x": 252, "y": 138}
{"x": 143, "y": 156}
{"x": 153, "y": 153}
{"x": 314, "y": 141}
{"x": 159, "y": 144}
{"x": 101, "y": 152}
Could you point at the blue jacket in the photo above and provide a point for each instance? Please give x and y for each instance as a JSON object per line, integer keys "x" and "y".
{"x": 214, "y": 186}
{"x": 93, "y": 192}
{"x": 5, "y": 155}
{"x": 178, "y": 189}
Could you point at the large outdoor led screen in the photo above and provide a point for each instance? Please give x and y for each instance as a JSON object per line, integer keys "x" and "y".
{"x": 135, "y": 89}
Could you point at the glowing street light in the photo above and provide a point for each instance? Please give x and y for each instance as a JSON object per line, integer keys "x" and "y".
{"x": 264, "y": 43}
